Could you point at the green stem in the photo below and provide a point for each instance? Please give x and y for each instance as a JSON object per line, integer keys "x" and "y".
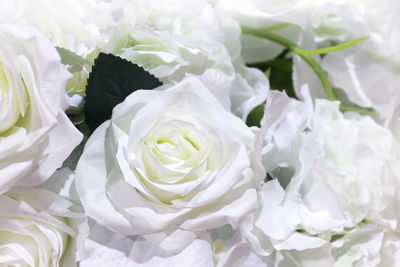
{"x": 359, "y": 110}
{"x": 306, "y": 55}
{"x": 321, "y": 75}
{"x": 266, "y": 34}
{"x": 331, "y": 49}
{"x": 261, "y": 33}
{"x": 276, "y": 27}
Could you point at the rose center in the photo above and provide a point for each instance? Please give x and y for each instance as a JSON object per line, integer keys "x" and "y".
{"x": 175, "y": 151}
{"x": 175, "y": 143}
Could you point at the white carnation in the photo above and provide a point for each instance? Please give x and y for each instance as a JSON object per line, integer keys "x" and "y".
{"x": 340, "y": 178}
{"x": 317, "y": 24}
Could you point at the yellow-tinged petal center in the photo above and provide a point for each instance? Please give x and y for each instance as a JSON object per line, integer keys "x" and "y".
{"x": 178, "y": 150}
{"x": 13, "y": 98}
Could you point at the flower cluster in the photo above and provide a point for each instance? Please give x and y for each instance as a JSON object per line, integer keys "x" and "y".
{"x": 206, "y": 133}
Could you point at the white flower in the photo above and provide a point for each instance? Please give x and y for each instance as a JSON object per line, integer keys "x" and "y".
{"x": 173, "y": 39}
{"x": 35, "y": 134}
{"x": 169, "y": 164}
{"x": 351, "y": 162}
{"x": 341, "y": 173}
{"x": 288, "y": 18}
{"x": 231, "y": 249}
{"x": 73, "y": 25}
{"x": 277, "y": 241}
{"x": 284, "y": 119}
{"x": 317, "y": 24}
{"x": 104, "y": 248}
{"x": 39, "y": 228}
{"x": 390, "y": 250}
{"x": 360, "y": 246}
{"x": 350, "y": 69}
{"x": 67, "y": 24}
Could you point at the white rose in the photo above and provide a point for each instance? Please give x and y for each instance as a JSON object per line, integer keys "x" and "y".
{"x": 39, "y": 228}
{"x": 35, "y": 134}
{"x": 187, "y": 38}
{"x": 67, "y": 24}
{"x": 73, "y": 25}
{"x": 168, "y": 165}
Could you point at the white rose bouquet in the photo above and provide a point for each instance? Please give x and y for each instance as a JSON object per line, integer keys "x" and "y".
{"x": 199, "y": 133}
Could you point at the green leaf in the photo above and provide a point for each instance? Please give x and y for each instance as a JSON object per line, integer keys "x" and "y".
{"x": 255, "y": 116}
{"x": 267, "y": 73}
{"x": 112, "y": 79}
{"x": 331, "y": 49}
{"x": 74, "y": 61}
{"x": 306, "y": 55}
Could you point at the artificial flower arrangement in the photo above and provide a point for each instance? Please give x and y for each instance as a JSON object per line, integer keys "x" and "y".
{"x": 199, "y": 133}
